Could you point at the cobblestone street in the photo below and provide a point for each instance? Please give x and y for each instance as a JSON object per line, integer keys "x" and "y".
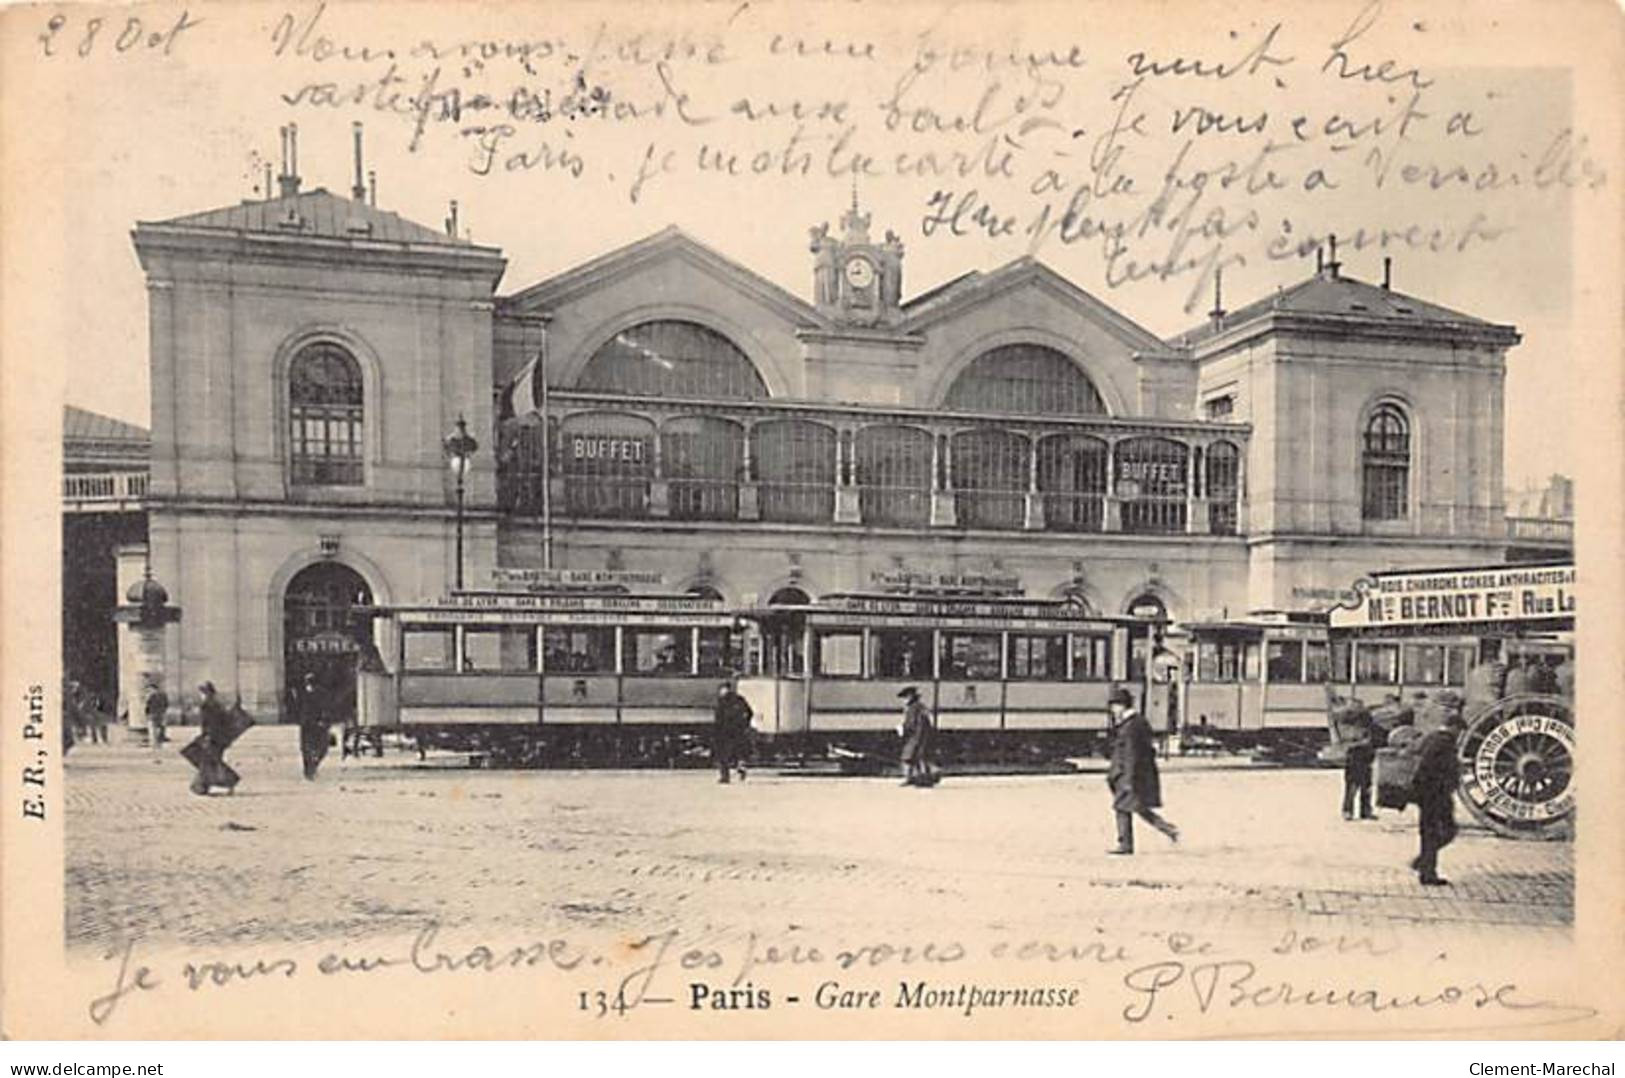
{"x": 379, "y": 846}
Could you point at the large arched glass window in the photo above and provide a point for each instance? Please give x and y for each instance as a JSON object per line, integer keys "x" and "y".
{"x": 608, "y": 459}
{"x": 1386, "y": 464}
{"x": 702, "y": 458}
{"x": 990, "y": 479}
{"x": 673, "y": 359}
{"x": 1223, "y": 487}
{"x": 1072, "y": 478}
{"x": 1027, "y": 379}
{"x": 325, "y": 413}
{"x": 795, "y": 470}
{"x": 894, "y": 476}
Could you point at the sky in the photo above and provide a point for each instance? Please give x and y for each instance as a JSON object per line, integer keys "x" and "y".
{"x": 170, "y": 127}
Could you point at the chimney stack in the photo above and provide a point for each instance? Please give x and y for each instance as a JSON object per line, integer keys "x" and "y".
{"x": 1387, "y": 272}
{"x": 372, "y": 187}
{"x": 451, "y": 221}
{"x": 288, "y": 182}
{"x": 1320, "y": 259}
{"x": 358, "y": 190}
{"x": 1333, "y": 265}
{"x": 1218, "y": 312}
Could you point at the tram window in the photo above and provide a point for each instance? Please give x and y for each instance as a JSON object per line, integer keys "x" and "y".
{"x": 716, "y": 652}
{"x": 1340, "y": 660}
{"x": 1457, "y": 661}
{"x": 1091, "y": 658}
{"x": 1285, "y": 660}
{"x": 1316, "y": 661}
{"x": 839, "y": 654}
{"x": 508, "y": 650}
{"x": 579, "y": 651}
{"x": 970, "y": 656}
{"x": 656, "y": 651}
{"x": 427, "y": 649}
{"x": 1377, "y": 664}
{"x": 899, "y": 653}
{"x": 1424, "y": 664}
{"x": 1218, "y": 660}
{"x": 1249, "y": 660}
{"x": 1038, "y": 658}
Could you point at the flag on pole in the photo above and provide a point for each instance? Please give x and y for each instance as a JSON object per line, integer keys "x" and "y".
{"x": 527, "y": 393}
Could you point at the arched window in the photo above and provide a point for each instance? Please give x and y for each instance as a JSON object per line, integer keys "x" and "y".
{"x": 1386, "y": 464}
{"x": 325, "y": 412}
{"x": 1072, "y": 477}
{"x": 894, "y": 476}
{"x": 702, "y": 458}
{"x": 1223, "y": 487}
{"x": 1027, "y": 379}
{"x": 608, "y": 459}
{"x": 673, "y": 359}
{"x": 795, "y": 470}
{"x": 522, "y": 465}
{"x": 990, "y": 479}
{"x": 1151, "y": 484}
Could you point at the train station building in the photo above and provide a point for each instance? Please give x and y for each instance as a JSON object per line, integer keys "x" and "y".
{"x": 667, "y": 413}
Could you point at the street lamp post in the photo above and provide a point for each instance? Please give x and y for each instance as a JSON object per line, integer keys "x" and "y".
{"x": 460, "y": 449}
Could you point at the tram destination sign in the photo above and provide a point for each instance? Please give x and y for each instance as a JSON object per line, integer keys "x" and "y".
{"x": 541, "y": 579}
{"x": 1498, "y": 594}
{"x": 910, "y": 582}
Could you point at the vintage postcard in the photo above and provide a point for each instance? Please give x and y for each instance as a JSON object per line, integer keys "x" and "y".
{"x": 850, "y": 520}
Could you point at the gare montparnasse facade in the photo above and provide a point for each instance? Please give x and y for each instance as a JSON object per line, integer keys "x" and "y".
{"x": 309, "y": 353}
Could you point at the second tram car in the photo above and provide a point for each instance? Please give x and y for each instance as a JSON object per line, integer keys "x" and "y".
{"x": 1010, "y": 680}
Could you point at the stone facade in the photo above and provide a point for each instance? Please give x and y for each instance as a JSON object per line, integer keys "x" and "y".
{"x": 239, "y": 295}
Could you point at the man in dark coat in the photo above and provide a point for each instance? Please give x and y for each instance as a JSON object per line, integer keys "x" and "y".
{"x": 1132, "y": 776}
{"x": 207, "y": 751}
{"x": 1434, "y": 790}
{"x": 730, "y": 730}
{"x": 1359, "y": 736}
{"x": 916, "y": 730}
{"x": 309, "y": 706}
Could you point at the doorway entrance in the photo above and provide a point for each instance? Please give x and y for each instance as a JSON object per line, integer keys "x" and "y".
{"x": 321, "y": 637}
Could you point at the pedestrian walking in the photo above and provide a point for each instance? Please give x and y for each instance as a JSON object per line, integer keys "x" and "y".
{"x": 916, "y": 730}
{"x": 730, "y": 730}
{"x": 1433, "y": 788}
{"x": 1132, "y": 776}
{"x": 309, "y": 705}
{"x": 207, "y": 751}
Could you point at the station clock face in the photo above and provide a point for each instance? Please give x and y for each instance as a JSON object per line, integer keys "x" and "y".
{"x": 860, "y": 273}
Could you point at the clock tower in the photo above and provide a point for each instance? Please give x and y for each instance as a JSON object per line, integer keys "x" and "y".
{"x": 861, "y": 354}
{"x": 855, "y": 280}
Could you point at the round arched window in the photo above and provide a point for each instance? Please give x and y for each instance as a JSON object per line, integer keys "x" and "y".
{"x": 1027, "y": 379}
{"x": 325, "y": 416}
{"x": 673, "y": 358}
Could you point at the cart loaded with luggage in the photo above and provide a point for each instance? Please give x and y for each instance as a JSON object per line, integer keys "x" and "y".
{"x": 1516, "y": 749}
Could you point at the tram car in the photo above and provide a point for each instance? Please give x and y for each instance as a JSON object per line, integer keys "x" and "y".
{"x": 1516, "y": 754}
{"x": 1011, "y": 681}
{"x": 551, "y": 679}
{"x": 1264, "y": 682}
